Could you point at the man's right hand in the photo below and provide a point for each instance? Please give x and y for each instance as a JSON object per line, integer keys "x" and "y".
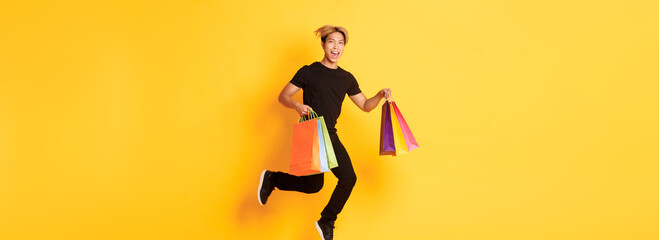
{"x": 302, "y": 109}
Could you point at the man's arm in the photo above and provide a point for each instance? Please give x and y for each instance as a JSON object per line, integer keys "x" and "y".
{"x": 285, "y": 98}
{"x": 367, "y": 105}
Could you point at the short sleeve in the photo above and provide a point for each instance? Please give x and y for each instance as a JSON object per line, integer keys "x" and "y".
{"x": 300, "y": 79}
{"x": 354, "y": 86}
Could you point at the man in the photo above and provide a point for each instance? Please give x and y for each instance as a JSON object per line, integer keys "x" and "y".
{"x": 324, "y": 86}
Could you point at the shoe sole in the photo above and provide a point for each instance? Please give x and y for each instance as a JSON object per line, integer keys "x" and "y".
{"x": 258, "y": 193}
{"x": 319, "y": 231}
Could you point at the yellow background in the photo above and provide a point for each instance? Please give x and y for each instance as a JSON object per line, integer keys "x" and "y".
{"x": 153, "y": 119}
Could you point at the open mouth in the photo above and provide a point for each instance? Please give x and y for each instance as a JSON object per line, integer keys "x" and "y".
{"x": 334, "y": 54}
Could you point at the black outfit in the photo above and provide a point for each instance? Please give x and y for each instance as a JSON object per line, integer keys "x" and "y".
{"x": 324, "y": 90}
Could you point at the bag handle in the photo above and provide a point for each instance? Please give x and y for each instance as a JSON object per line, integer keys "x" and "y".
{"x": 387, "y": 97}
{"x": 309, "y": 116}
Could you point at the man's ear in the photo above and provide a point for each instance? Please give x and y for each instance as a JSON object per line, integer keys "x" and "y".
{"x": 322, "y": 44}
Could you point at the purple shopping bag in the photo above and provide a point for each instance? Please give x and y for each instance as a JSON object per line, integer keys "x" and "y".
{"x": 387, "y": 145}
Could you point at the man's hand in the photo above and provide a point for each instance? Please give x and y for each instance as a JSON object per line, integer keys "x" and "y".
{"x": 385, "y": 93}
{"x": 302, "y": 109}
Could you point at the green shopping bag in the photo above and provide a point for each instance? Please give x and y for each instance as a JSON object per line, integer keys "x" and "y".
{"x": 329, "y": 148}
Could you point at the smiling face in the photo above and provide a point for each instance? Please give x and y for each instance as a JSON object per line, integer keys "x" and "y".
{"x": 333, "y": 46}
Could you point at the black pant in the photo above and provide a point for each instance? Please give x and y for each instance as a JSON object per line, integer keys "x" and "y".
{"x": 313, "y": 183}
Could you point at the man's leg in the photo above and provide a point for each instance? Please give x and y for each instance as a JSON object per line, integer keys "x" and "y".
{"x": 284, "y": 181}
{"x": 347, "y": 179}
{"x": 305, "y": 184}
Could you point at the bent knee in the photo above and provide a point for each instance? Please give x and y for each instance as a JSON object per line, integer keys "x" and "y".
{"x": 315, "y": 187}
{"x": 348, "y": 180}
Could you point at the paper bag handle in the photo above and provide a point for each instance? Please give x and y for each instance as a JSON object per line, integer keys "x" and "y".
{"x": 309, "y": 116}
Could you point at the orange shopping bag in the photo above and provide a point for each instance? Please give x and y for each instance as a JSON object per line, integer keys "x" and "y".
{"x": 305, "y": 159}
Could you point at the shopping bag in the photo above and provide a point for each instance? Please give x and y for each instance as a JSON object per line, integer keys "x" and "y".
{"x": 396, "y": 138}
{"x": 305, "y": 159}
{"x": 329, "y": 148}
{"x": 399, "y": 140}
{"x": 387, "y": 146}
{"x": 410, "y": 141}
{"x": 321, "y": 147}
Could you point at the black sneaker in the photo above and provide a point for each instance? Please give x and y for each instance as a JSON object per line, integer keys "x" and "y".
{"x": 265, "y": 187}
{"x": 325, "y": 229}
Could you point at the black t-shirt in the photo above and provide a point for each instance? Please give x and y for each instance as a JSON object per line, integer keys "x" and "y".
{"x": 324, "y": 90}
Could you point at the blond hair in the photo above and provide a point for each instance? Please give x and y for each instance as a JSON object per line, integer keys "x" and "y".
{"x": 323, "y": 31}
